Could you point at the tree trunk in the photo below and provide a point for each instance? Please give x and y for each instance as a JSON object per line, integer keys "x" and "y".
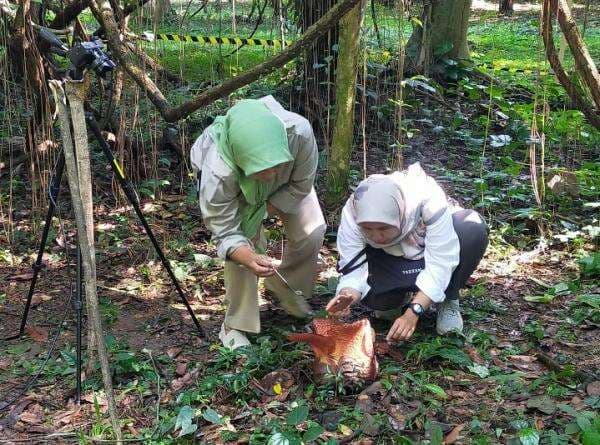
{"x": 506, "y": 7}
{"x": 583, "y": 60}
{"x": 345, "y": 93}
{"x": 443, "y": 33}
{"x": 575, "y": 93}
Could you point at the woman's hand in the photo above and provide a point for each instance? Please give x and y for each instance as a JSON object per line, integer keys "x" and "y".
{"x": 340, "y": 304}
{"x": 262, "y": 265}
{"x": 259, "y": 265}
{"x": 404, "y": 327}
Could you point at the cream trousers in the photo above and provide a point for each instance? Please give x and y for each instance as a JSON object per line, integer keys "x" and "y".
{"x": 304, "y": 230}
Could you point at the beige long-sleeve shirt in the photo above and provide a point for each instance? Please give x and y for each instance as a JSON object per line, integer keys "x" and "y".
{"x": 221, "y": 200}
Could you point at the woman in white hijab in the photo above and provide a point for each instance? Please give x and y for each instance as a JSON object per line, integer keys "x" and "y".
{"x": 404, "y": 247}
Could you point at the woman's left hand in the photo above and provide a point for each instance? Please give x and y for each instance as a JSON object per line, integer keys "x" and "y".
{"x": 404, "y": 327}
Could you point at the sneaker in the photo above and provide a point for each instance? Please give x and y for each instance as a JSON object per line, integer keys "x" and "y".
{"x": 448, "y": 317}
{"x": 232, "y": 338}
{"x": 293, "y": 304}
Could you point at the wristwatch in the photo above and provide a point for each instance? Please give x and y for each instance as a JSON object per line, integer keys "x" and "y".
{"x": 416, "y": 308}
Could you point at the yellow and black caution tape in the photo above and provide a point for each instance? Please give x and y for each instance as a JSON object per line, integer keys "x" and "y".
{"x": 212, "y": 40}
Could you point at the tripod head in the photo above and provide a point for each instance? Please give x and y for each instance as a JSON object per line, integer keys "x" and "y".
{"x": 82, "y": 55}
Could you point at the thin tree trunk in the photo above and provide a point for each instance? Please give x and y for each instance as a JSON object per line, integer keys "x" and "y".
{"x": 576, "y": 95}
{"x": 78, "y": 171}
{"x": 506, "y": 7}
{"x": 345, "y": 94}
{"x": 583, "y": 61}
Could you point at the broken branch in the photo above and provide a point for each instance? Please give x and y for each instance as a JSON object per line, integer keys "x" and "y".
{"x": 105, "y": 15}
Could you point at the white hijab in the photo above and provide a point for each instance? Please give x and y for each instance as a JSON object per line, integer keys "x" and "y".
{"x": 395, "y": 199}
{"x": 378, "y": 199}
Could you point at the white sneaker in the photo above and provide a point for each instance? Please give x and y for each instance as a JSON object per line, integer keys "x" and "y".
{"x": 448, "y": 317}
{"x": 232, "y": 338}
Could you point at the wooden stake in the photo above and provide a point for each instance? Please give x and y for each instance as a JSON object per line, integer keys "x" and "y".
{"x": 77, "y": 162}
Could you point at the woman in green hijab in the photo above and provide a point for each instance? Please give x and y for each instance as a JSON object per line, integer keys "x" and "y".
{"x": 259, "y": 159}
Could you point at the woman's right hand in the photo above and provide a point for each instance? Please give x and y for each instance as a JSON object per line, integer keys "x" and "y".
{"x": 259, "y": 265}
{"x": 262, "y": 265}
{"x": 340, "y": 304}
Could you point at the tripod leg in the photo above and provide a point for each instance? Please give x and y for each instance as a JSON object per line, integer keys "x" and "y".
{"x": 79, "y": 309}
{"x": 37, "y": 266}
{"x": 133, "y": 199}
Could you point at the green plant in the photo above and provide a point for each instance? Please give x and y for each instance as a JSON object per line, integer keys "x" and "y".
{"x": 590, "y": 265}
{"x": 534, "y": 330}
{"x": 296, "y": 429}
{"x": 559, "y": 289}
{"x": 586, "y": 425}
{"x": 444, "y": 348}
{"x": 109, "y": 311}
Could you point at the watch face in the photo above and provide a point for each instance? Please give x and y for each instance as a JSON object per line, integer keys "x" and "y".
{"x": 417, "y": 308}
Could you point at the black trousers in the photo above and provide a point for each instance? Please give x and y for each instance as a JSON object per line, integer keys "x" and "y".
{"x": 473, "y": 240}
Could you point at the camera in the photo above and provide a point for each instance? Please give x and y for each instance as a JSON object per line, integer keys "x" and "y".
{"x": 82, "y": 55}
{"x": 90, "y": 55}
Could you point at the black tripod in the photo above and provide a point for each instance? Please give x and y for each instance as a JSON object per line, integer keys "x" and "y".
{"x": 133, "y": 200}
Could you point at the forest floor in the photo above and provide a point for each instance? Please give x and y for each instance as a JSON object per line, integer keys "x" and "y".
{"x": 486, "y": 387}
{"x": 526, "y": 370}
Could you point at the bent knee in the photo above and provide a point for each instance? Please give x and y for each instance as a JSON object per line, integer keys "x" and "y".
{"x": 318, "y": 234}
{"x": 470, "y": 228}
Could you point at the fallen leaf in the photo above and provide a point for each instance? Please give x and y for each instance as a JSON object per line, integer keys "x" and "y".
{"x": 63, "y": 418}
{"x": 134, "y": 432}
{"x": 34, "y": 415}
{"x": 539, "y": 424}
{"x": 39, "y": 299}
{"x": 593, "y": 388}
{"x": 522, "y": 358}
{"x": 457, "y": 394}
{"x": 474, "y": 355}
{"x": 21, "y": 277}
{"x": 277, "y": 384}
{"x": 369, "y": 425}
{"x": 37, "y": 334}
{"x": 526, "y": 363}
{"x": 99, "y": 398}
{"x": 181, "y": 368}
{"x": 185, "y": 380}
{"x": 5, "y": 363}
{"x": 453, "y": 435}
{"x": 12, "y": 418}
{"x": 173, "y": 352}
{"x": 543, "y": 404}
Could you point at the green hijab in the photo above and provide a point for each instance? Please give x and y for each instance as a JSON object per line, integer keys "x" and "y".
{"x": 250, "y": 139}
